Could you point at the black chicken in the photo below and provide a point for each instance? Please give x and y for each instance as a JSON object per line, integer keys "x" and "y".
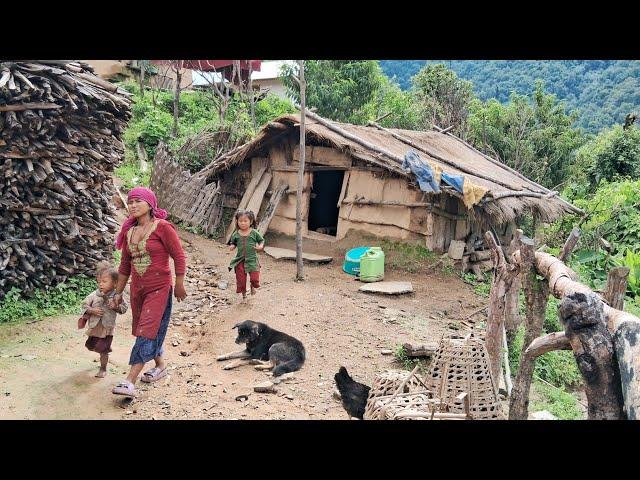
{"x": 354, "y": 395}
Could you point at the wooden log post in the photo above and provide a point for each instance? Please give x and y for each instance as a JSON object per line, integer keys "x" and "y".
{"x": 512, "y": 317}
{"x": 300, "y": 186}
{"x": 504, "y": 276}
{"x": 616, "y": 287}
{"x": 626, "y": 343}
{"x": 536, "y": 296}
{"x": 583, "y": 318}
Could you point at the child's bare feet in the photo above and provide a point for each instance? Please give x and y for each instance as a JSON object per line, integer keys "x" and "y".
{"x": 253, "y": 290}
{"x": 101, "y": 373}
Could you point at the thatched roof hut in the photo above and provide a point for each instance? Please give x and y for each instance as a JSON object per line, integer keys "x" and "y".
{"x": 373, "y": 191}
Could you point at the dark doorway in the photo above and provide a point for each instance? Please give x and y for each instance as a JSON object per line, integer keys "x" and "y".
{"x": 323, "y": 207}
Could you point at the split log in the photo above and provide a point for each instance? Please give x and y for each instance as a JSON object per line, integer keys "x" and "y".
{"x": 570, "y": 244}
{"x": 270, "y": 211}
{"x": 616, "y": 287}
{"x": 583, "y": 318}
{"x": 60, "y": 138}
{"x": 419, "y": 350}
{"x": 548, "y": 343}
{"x": 480, "y": 255}
{"x": 248, "y": 193}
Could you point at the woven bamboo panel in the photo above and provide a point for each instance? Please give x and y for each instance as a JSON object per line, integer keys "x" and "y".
{"x": 386, "y": 384}
{"x": 186, "y": 197}
{"x": 462, "y": 365}
{"x": 416, "y": 406}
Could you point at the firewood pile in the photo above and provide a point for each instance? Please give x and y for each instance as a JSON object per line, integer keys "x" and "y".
{"x": 60, "y": 137}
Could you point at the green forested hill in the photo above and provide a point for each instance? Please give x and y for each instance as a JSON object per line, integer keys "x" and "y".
{"x": 602, "y": 91}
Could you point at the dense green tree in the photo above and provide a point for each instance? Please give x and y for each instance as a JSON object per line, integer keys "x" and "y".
{"x": 611, "y": 155}
{"x": 443, "y": 98}
{"x": 532, "y": 134}
{"x": 603, "y": 92}
{"x": 341, "y": 90}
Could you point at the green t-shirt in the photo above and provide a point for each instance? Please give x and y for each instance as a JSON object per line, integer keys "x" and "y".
{"x": 246, "y": 250}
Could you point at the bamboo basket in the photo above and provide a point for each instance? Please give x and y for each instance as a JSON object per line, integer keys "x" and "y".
{"x": 461, "y": 365}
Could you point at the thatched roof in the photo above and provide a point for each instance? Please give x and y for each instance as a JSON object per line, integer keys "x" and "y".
{"x": 509, "y": 193}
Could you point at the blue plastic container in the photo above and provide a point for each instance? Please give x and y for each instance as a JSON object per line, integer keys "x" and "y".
{"x": 352, "y": 260}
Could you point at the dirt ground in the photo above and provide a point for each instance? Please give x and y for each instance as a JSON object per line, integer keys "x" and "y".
{"x": 46, "y": 372}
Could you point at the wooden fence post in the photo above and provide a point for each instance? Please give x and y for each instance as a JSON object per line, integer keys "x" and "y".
{"x": 536, "y": 296}
{"x": 582, "y": 316}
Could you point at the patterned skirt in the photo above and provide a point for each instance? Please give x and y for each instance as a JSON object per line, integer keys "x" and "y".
{"x": 145, "y": 350}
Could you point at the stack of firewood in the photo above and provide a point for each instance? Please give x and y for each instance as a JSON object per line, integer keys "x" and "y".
{"x": 60, "y": 137}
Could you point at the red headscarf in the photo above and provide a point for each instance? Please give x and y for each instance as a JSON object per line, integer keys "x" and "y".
{"x": 148, "y": 196}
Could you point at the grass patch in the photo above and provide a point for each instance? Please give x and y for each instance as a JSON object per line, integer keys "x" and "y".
{"x": 480, "y": 287}
{"x": 409, "y": 363}
{"x": 64, "y": 298}
{"x": 130, "y": 174}
{"x": 409, "y": 257}
{"x": 558, "y": 368}
{"x": 562, "y": 404}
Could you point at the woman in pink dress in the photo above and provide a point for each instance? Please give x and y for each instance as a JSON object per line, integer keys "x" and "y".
{"x": 147, "y": 241}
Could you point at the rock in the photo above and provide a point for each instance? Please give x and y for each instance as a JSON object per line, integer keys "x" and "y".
{"x": 223, "y": 284}
{"x": 175, "y": 343}
{"x": 387, "y": 288}
{"x": 28, "y": 358}
{"x": 184, "y": 354}
{"x": 289, "y": 397}
{"x": 542, "y": 415}
{"x": 386, "y": 351}
{"x": 242, "y": 398}
{"x": 265, "y": 387}
{"x": 456, "y": 249}
{"x": 286, "y": 254}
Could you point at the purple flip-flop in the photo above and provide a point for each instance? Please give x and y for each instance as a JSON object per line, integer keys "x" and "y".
{"x": 153, "y": 375}
{"x": 125, "y": 388}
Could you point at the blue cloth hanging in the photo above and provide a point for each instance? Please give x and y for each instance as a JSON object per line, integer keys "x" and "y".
{"x": 422, "y": 171}
{"x": 456, "y": 181}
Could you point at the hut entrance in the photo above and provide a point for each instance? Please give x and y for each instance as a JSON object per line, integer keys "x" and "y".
{"x": 323, "y": 206}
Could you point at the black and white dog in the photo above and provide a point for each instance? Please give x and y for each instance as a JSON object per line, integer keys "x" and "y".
{"x": 266, "y": 348}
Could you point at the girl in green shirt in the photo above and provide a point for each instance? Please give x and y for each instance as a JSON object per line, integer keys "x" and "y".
{"x": 248, "y": 242}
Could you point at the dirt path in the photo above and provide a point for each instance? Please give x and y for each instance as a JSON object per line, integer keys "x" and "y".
{"x": 45, "y": 371}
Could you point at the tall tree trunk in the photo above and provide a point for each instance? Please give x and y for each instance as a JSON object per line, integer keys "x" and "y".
{"x": 299, "y": 272}
{"x": 252, "y": 97}
{"x": 176, "y": 101}
{"x": 143, "y": 68}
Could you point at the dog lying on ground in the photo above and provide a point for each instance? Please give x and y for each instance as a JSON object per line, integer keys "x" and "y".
{"x": 353, "y": 394}
{"x": 266, "y": 348}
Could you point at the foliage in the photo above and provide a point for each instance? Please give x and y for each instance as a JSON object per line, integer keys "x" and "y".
{"x": 612, "y": 213}
{"x": 63, "y": 298}
{"x": 603, "y": 92}
{"x": 559, "y": 403}
{"x": 409, "y": 363}
{"x": 271, "y": 107}
{"x": 531, "y": 133}
{"x": 443, "y": 98}
{"x": 611, "y": 155}
{"x": 130, "y": 174}
{"x": 410, "y": 257}
{"x": 558, "y": 367}
{"x": 152, "y": 122}
{"x": 340, "y": 89}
